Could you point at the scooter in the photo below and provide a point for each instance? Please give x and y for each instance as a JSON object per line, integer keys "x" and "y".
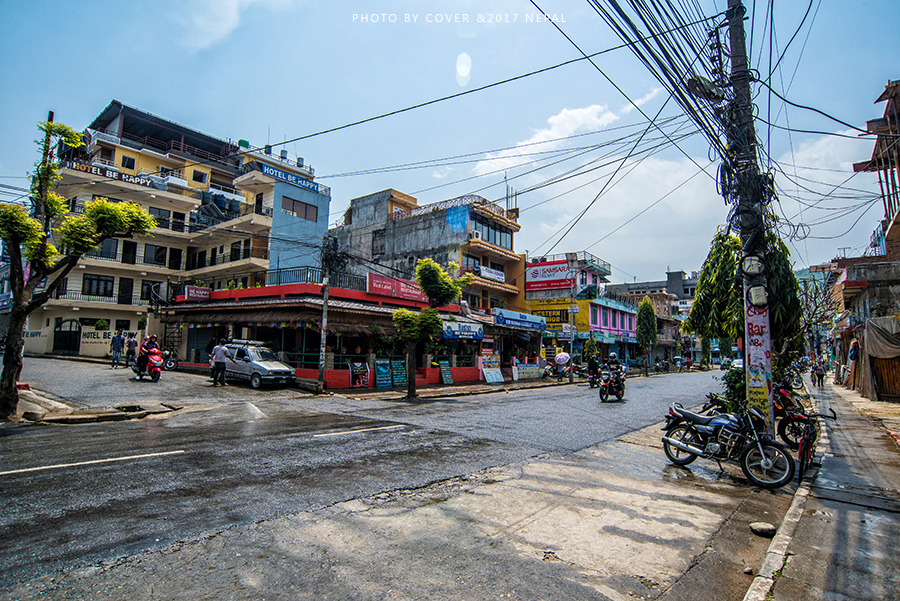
{"x": 154, "y": 365}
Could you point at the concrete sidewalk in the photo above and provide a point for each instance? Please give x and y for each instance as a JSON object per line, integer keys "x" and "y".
{"x": 838, "y": 540}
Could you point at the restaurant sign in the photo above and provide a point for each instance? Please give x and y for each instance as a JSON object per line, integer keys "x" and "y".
{"x": 388, "y": 286}
{"x": 504, "y": 317}
{"x": 196, "y": 293}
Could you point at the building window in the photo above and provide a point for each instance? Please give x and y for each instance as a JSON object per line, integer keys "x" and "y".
{"x": 470, "y": 261}
{"x": 605, "y": 313}
{"x": 631, "y": 322}
{"x": 97, "y": 285}
{"x": 302, "y": 210}
{"x": 147, "y": 288}
{"x": 621, "y": 321}
{"x": 127, "y": 162}
{"x": 200, "y": 177}
{"x": 108, "y": 249}
{"x": 162, "y": 217}
{"x": 154, "y": 255}
{"x": 593, "y": 315}
{"x": 123, "y": 324}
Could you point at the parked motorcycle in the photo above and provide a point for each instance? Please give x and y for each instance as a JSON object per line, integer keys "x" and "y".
{"x": 728, "y": 436}
{"x": 155, "y": 363}
{"x": 594, "y": 379}
{"x": 170, "y": 360}
{"x": 612, "y": 383}
{"x": 661, "y": 366}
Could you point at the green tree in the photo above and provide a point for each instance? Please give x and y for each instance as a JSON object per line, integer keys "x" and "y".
{"x": 441, "y": 289}
{"x": 646, "y": 329}
{"x": 718, "y": 308}
{"x": 590, "y": 348}
{"x": 33, "y": 256}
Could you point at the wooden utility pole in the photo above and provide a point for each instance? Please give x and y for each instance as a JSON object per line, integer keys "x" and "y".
{"x": 752, "y": 198}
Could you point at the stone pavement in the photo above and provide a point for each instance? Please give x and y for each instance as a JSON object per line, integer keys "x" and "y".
{"x": 838, "y": 540}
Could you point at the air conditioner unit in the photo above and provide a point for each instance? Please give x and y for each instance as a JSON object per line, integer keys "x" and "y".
{"x": 476, "y": 235}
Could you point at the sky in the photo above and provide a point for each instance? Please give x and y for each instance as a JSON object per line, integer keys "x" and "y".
{"x": 271, "y": 71}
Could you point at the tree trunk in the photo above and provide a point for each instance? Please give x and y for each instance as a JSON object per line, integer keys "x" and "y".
{"x": 12, "y": 366}
{"x": 411, "y": 370}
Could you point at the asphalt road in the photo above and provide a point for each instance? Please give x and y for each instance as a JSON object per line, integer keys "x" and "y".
{"x": 236, "y": 456}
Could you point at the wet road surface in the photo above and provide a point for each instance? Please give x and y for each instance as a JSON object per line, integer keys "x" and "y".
{"x": 227, "y": 461}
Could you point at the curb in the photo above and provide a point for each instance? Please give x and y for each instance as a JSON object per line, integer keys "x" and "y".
{"x": 776, "y": 556}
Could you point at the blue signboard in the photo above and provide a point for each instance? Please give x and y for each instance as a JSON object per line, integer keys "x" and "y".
{"x": 504, "y": 317}
{"x": 290, "y": 178}
{"x": 470, "y": 331}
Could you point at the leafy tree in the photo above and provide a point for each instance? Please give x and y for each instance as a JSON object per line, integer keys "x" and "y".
{"x": 646, "y": 329}
{"x": 590, "y": 348}
{"x": 718, "y": 308}
{"x": 33, "y": 256}
{"x": 101, "y": 325}
{"x": 820, "y": 307}
{"x": 441, "y": 289}
{"x": 705, "y": 352}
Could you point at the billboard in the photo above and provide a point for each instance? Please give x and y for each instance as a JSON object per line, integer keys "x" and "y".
{"x": 388, "y": 286}
{"x": 551, "y": 275}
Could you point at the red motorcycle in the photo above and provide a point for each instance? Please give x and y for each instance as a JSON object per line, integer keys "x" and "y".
{"x": 154, "y": 367}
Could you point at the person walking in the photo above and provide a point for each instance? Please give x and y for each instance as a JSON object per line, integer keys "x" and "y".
{"x": 820, "y": 374}
{"x": 116, "y": 346}
{"x": 219, "y": 353}
{"x": 130, "y": 349}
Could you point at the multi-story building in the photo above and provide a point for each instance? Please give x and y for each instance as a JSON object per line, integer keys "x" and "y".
{"x": 215, "y": 204}
{"x": 387, "y": 232}
{"x": 565, "y": 290}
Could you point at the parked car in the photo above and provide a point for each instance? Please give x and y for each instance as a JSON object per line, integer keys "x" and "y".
{"x": 256, "y": 364}
{"x": 726, "y": 363}
{"x": 737, "y": 364}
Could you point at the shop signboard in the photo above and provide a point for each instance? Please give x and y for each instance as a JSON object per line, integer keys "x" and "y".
{"x": 382, "y": 373}
{"x": 504, "y": 317}
{"x": 549, "y": 275}
{"x": 359, "y": 375}
{"x": 388, "y": 286}
{"x": 492, "y": 274}
{"x": 398, "y": 372}
{"x": 196, "y": 293}
{"x": 446, "y": 374}
{"x": 493, "y": 375}
{"x": 468, "y": 331}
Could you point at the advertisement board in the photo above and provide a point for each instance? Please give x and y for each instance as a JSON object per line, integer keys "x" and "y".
{"x": 504, "y": 317}
{"x": 551, "y": 275}
{"x": 388, "y": 286}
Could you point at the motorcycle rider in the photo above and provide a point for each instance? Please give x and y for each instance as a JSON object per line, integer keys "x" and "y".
{"x": 143, "y": 356}
{"x": 613, "y": 364}
{"x": 593, "y": 364}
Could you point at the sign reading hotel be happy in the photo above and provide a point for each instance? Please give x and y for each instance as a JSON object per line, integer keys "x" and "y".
{"x": 290, "y": 178}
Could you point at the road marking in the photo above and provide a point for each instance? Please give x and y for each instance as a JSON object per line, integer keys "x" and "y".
{"x": 94, "y": 462}
{"x": 355, "y": 431}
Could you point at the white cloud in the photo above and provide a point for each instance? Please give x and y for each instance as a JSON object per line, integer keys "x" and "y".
{"x": 211, "y": 21}
{"x": 640, "y": 101}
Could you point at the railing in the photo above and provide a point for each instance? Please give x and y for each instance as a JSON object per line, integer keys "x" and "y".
{"x": 312, "y": 275}
{"x": 226, "y": 189}
{"x": 228, "y": 257}
{"x": 105, "y": 162}
{"x": 129, "y": 259}
{"x": 135, "y": 300}
{"x": 579, "y": 256}
{"x": 466, "y": 200}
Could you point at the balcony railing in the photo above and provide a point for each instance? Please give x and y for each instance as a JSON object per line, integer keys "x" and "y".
{"x": 133, "y": 299}
{"x": 127, "y": 259}
{"x": 312, "y": 275}
{"x": 230, "y": 257}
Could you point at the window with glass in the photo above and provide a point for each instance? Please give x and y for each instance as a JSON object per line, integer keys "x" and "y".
{"x": 161, "y": 216}
{"x": 200, "y": 177}
{"x": 303, "y": 210}
{"x": 97, "y": 285}
{"x": 147, "y": 287}
{"x": 492, "y": 233}
{"x": 154, "y": 255}
{"x": 605, "y": 316}
{"x": 123, "y": 324}
{"x": 127, "y": 162}
{"x": 631, "y": 322}
{"x": 470, "y": 260}
{"x": 622, "y": 321}
{"x": 108, "y": 249}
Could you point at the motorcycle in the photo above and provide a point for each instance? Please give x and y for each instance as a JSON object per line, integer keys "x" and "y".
{"x": 612, "y": 383}
{"x": 728, "y": 437}
{"x": 594, "y": 379}
{"x": 155, "y": 363}
{"x": 170, "y": 360}
{"x": 661, "y": 366}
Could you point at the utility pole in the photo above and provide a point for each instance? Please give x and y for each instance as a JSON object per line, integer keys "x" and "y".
{"x": 752, "y": 195}
{"x": 332, "y": 262}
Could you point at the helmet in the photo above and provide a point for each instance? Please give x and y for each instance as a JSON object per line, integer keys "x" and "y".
{"x": 613, "y": 357}
{"x": 152, "y": 335}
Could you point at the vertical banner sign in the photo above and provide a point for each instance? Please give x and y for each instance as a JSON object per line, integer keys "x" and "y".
{"x": 382, "y": 373}
{"x": 759, "y": 361}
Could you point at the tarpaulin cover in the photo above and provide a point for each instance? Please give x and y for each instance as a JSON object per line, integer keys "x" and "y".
{"x": 883, "y": 337}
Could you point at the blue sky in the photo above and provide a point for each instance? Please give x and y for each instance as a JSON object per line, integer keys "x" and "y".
{"x": 274, "y": 70}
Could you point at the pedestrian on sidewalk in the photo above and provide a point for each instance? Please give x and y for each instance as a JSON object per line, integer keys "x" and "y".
{"x": 116, "y": 346}
{"x": 219, "y": 353}
{"x": 820, "y": 374}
